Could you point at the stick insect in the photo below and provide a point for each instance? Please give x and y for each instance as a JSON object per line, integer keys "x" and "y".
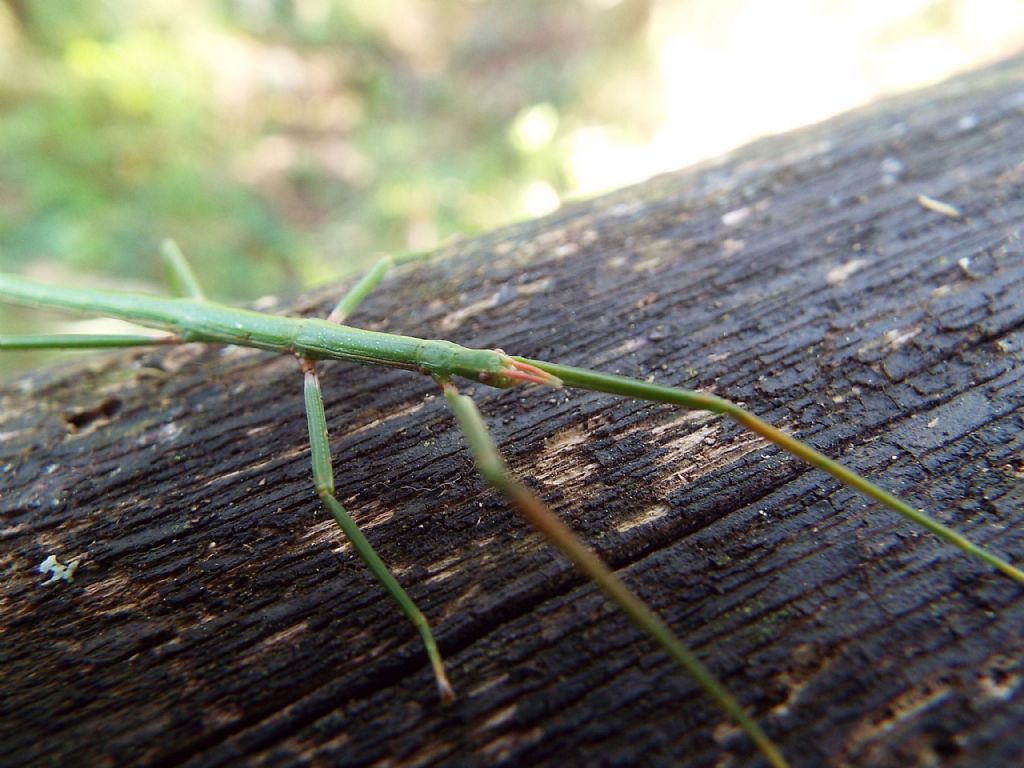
{"x": 189, "y": 317}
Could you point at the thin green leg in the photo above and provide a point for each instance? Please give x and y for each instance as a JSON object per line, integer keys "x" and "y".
{"x": 369, "y": 281}
{"x": 179, "y": 273}
{"x": 323, "y": 476}
{"x": 83, "y": 341}
{"x": 492, "y": 467}
{"x": 358, "y": 292}
{"x": 582, "y": 378}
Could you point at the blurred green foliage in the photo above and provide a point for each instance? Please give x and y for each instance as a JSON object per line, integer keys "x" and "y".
{"x": 105, "y": 143}
{"x": 281, "y": 142}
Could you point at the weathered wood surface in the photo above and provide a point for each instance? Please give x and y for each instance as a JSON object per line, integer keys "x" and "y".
{"x": 217, "y": 618}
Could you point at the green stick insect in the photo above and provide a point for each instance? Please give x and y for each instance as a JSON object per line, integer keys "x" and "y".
{"x": 190, "y": 317}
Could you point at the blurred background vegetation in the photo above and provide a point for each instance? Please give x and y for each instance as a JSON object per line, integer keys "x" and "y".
{"x": 285, "y": 143}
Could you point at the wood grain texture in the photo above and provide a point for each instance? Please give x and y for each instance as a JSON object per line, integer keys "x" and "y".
{"x": 218, "y": 619}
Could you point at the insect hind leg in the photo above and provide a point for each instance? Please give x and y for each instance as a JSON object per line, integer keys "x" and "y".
{"x": 179, "y": 272}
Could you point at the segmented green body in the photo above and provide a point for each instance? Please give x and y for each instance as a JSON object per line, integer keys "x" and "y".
{"x": 195, "y": 320}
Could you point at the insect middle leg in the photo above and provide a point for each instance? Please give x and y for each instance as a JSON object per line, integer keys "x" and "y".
{"x": 323, "y": 477}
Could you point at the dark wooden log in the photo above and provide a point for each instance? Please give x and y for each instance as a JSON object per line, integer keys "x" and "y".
{"x": 217, "y": 618}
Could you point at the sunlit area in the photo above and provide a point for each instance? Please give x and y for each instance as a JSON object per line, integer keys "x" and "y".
{"x": 286, "y": 143}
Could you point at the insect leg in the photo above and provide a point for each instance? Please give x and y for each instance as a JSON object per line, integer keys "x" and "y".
{"x": 83, "y": 341}
{"x": 179, "y": 273}
{"x": 323, "y": 476}
{"x": 582, "y": 378}
{"x": 369, "y": 281}
{"x": 358, "y": 292}
{"x": 492, "y": 467}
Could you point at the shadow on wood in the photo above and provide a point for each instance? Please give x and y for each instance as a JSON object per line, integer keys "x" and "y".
{"x": 218, "y": 618}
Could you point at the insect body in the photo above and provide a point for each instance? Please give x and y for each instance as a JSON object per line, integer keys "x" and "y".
{"x": 192, "y": 318}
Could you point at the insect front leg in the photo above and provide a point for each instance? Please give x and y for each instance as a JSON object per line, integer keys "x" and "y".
{"x": 493, "y": 468}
